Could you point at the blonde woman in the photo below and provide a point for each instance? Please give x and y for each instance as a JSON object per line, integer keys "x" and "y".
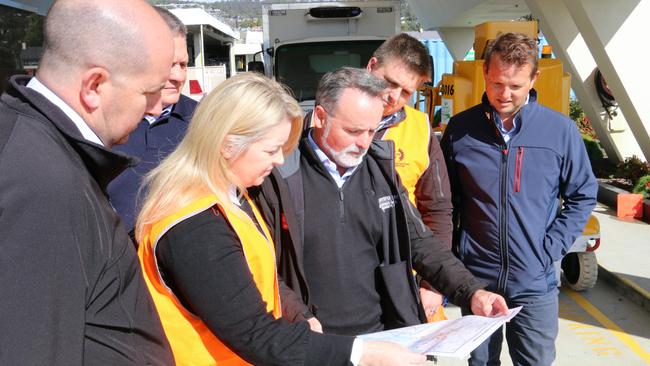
{"x": 208, "y": 258}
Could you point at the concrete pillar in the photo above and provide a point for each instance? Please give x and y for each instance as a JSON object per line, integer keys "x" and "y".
{"x": 458, "y": 40}
{"x": 615, "y": 32}
{"x": 198, "y": 51}
{"x": 568, "y": 45}
{"x": 231, "y": 56}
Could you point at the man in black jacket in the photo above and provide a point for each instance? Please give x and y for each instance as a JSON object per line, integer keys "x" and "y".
{"x": 348, "y": 237}
{"x": 73, "y": 291}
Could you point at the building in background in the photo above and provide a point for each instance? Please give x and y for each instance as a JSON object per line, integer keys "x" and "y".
{"x": 248, "y": 49}
{"x": 210, "y": 45}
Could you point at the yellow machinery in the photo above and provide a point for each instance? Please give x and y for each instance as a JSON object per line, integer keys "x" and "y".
{"x": 464, "y": 89}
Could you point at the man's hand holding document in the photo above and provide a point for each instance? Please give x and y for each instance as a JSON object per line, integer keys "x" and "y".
{"x": 448, "y": 338}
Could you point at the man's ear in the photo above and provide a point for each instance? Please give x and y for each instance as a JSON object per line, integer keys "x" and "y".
{"x": 372, "y": 63}
{"x": 93, "y": 84}
{"x": 534, "y": 79}
{"x": 318, "y": 117}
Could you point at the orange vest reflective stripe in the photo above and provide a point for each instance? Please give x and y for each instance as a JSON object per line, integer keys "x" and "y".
{"x": 191, "y": 341}
{"x": 411, "y": 138}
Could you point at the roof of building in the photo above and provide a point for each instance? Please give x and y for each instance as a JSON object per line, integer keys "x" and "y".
{"x": 197, "y": 16}
{"x": 247, "y": 48}
{"x": 426, "y": 35}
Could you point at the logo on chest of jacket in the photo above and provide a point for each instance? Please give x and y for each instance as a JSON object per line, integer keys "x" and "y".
{"x": 399, "y": 158}
{"x": 386, "y": 202}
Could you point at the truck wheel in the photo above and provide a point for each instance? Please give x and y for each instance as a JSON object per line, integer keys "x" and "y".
{"x": 580, "y": 270}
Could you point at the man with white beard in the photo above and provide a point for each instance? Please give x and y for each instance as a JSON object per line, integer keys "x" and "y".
{"x": 347, "y": 233}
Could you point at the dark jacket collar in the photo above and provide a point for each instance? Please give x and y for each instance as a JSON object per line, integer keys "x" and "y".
{"x": 102, "y": 163}
{"x": 184, "y": 108}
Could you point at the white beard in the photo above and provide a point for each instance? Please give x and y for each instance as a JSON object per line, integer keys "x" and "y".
{"x": 344, "y": 158}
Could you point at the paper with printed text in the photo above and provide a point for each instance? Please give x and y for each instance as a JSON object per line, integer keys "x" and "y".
{"x": 448, "y": 338}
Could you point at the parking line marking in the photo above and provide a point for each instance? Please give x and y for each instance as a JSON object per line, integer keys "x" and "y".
{"x": 609, "y": 325}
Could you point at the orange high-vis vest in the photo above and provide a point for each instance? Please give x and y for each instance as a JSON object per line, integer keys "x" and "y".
{"x": 191, "y": 341}
{"x": 411, "y": 140}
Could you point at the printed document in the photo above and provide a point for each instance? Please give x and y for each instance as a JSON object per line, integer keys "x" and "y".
{"x": 448, "y": 338}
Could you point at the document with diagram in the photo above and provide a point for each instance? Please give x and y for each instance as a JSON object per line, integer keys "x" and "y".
{"x": 448, "y": 338}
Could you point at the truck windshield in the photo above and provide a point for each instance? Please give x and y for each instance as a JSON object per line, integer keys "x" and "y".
{"x": 300, "y": 66}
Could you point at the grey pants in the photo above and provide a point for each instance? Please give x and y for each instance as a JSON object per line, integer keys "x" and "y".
{"x": 530, "y": 335}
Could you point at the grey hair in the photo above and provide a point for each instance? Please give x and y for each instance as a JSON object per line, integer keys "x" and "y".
{"x": 175, "y": 25}
{"x": 84, "y": 34}
{"x": 333, "y": 83}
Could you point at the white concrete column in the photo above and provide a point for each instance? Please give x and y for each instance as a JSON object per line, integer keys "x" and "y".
{"x": 569, "y": 46}
{"x": 231, "y": 55}
{"x": 202, "y": 59}
{"x": 458, "y": 40}
{"x": 615, "y": 32}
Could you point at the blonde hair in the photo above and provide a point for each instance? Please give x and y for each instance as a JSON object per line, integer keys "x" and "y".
{"x": 240, "y": 111}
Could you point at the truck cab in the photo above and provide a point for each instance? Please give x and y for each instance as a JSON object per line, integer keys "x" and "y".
{"x": 303, "y": 41}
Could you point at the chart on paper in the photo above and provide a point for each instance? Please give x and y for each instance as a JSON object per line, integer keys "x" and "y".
{"x": 449, "y": 338}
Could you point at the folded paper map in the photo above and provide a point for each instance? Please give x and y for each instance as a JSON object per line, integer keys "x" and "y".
{"x": 448, "y": 338}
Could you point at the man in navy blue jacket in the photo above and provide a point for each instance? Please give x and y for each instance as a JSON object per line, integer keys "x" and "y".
{"x": 509, "y": 161}
{"x": 155, "y": 138}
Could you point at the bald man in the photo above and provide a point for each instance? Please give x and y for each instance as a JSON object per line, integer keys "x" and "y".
{"x": 72, "y": 290}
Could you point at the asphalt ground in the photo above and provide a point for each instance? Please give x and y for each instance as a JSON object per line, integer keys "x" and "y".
{"x": 610, "y": 323}
{"x": 596, "y": 327}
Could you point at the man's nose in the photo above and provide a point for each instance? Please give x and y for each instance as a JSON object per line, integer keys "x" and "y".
{"x": 393, "y": 95}
{"x": 364, "y": 141}
{"x": 175, "y": 73}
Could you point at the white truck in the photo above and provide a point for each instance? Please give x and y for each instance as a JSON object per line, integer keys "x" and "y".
{"x": 303, "y": 41}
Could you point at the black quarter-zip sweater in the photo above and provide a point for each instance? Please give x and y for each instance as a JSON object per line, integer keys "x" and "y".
{"x": 342, "y": 246}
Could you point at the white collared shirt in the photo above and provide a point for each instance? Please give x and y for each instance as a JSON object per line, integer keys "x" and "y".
{"x": 329, "y": 165}
{"x": 82, "y": 126}
{"x": 508, "y": 134}
{"x": 154, "y": 119}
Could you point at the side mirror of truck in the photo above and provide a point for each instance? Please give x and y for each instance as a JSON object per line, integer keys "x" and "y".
{"x": 256, "y": 66}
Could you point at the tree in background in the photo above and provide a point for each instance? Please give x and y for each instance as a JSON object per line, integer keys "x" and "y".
{"x": 16, "y": 27}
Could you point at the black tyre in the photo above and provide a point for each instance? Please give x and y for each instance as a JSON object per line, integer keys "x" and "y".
{"x": 580, "y": 270}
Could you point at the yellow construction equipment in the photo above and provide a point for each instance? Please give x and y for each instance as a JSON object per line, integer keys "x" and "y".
{"x": 464, "y": 88}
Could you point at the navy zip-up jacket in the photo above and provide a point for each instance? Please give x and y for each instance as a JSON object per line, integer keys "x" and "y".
{"x": 150, "y": 143}
{"x": 509, "y": 231}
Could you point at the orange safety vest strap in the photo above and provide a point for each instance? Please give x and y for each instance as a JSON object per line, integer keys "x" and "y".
{"x": 190, "y": 339}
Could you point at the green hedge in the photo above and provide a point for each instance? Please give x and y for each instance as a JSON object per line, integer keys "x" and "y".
{"x": 643, "y": 186}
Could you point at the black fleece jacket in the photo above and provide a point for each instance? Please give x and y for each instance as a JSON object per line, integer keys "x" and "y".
{"x": 408, "y": 243}
{"x": 72, "y": 288}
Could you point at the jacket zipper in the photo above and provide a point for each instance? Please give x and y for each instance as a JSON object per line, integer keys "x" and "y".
{"x": 341, "y": 206}
{"x": 503, "y": 235}
{"x": 440, "y": 193}
{"x": 518, "y": 167}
